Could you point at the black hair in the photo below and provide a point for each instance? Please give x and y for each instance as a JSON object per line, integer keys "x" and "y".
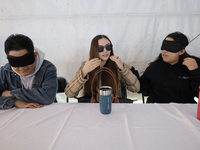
{"x": 18, "y": 42}
{"x": 179, "y": 37}
{"x": 183, "y": 40}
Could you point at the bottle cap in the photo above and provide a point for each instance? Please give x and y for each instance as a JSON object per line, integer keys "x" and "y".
{"x": 105, "y": 90}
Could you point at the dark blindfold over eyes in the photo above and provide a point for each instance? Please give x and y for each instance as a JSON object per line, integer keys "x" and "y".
{"x": 21, "y": 61}
{"x": 171, "y": 46}
{"x": 108, "y": 48}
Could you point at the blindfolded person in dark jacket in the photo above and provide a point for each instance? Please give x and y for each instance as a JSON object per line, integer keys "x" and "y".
{"x": 174, "y": 76}
{"x": 28, "y": 80}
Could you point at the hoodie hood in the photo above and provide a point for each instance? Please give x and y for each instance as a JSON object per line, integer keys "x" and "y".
{"x": 39, "y": 61}
{"x": 27, "y": 81}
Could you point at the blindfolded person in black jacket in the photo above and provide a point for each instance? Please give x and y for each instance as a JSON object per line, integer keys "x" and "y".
{"x": 174, "y": 76}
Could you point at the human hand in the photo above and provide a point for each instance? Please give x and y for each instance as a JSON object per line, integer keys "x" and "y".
{"x": 24, "y": 104}
{"x": 90, "y": 65}
{"x": 6, "y": 93}
{"x": 190, "y": 63}
{"x": 128, "y": 66}
{"x": 118, "y": 61}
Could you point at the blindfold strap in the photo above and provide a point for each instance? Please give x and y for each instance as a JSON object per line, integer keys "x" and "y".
{"x": 22, "y": 61}
{"x": 171, "y": 46}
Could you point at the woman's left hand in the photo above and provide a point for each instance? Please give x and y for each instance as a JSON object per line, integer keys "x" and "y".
{"x": 118, "y": 61}
{"x": 190, "y": 63}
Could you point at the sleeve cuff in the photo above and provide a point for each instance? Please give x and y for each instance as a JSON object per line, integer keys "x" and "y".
{"x": 10, "y": 103}
{"x": 81, "y": 78}
{"x": 125, "y": 71}
{"x": 196, "y": 71}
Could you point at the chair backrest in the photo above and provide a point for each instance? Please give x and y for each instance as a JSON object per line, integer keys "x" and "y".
{"x": 144, "y": 94}
{"x": 61, "y": 84}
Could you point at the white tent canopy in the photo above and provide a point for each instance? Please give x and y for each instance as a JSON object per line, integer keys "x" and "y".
{"x": 63, "y": 29}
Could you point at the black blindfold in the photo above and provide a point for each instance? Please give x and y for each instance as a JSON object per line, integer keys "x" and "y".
{"x": 22, "y": 61}
{"x": 171, "y": 46}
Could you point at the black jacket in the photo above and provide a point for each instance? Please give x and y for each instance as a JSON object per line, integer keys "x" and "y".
{"x": 165, "y": 83}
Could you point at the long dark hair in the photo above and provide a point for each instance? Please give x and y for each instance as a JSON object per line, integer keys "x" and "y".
{"x": 104, "y": 76}
{"x": 180, "y": 38}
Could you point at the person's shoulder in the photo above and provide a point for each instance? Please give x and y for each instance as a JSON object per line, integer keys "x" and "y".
{"x": 47, "y": 65}
{"x": 197, "y": 60}
{"x": 155, "y": 65}
{"x": 6, "y": 67}
{"x": 5, "y": 70}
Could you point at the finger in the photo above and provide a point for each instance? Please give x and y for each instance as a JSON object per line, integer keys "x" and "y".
{"x": 187, "y": 64}
{"x": 30, "y": 106}
{"x": 188, "y": 57}
{"x": 33, "y": 105}
{"x": 187, "y": 61}
{"x": 38, "y": 105}
{"x": 184, "y": 64}
{"x": 95, "y": 64}
{"x": 114, "y": 57}
{"x": 95, "y": 59}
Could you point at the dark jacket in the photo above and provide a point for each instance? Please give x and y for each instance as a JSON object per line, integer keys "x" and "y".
{"x": 165, "y": 83}
{"x": 43, "y": 91}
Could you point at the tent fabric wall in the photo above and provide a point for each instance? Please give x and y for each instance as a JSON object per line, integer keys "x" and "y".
{"x": 63, "y": 29}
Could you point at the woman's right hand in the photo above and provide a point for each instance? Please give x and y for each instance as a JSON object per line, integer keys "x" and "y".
{"x": 90, "y": 65}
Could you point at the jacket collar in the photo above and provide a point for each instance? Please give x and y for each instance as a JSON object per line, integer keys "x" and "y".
{"x": 7, "y": 67}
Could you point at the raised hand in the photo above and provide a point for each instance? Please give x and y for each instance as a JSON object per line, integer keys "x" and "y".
{"x": 190, "y": 63}
{"x": 90, "y": 65}
{"x": 118, "y": 61}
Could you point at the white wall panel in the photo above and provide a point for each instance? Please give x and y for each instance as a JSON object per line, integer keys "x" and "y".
{"x": 63, "y": 29}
